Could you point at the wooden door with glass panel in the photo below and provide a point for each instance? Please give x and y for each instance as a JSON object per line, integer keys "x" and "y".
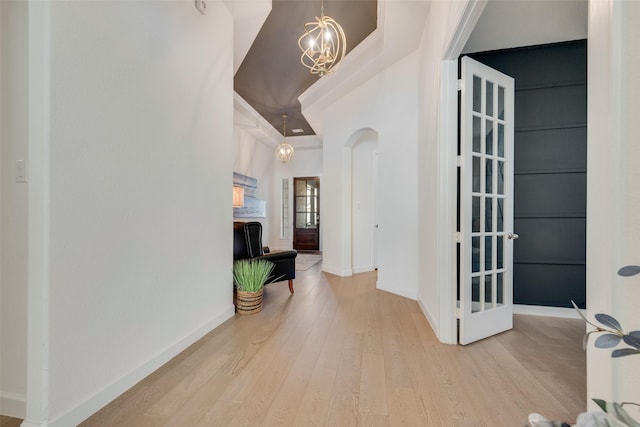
{"x": 306, "y": 222}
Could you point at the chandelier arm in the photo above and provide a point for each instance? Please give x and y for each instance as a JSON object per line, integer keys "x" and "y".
{"x": 325, "y": 45}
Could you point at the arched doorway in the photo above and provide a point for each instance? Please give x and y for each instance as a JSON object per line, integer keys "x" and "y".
{"x": 363, "y": 206}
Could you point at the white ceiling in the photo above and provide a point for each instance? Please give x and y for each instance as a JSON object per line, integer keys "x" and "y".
{"x": 515, "y": 23}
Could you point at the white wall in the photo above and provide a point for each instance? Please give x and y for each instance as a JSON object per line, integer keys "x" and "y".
{"x": 436, "y": 176}
{"x": 256, "y": 159}
{"x": 508, "y": 24}
{"x": 363, "y": 207}
{"x": 136, "y": 178}
{"x": 613, "y": 188}
{"x": 629, "y": 252}
{"x": 305, "y": 162}
{"x": 387, "y": 104}
{"x": 13, "y": 232}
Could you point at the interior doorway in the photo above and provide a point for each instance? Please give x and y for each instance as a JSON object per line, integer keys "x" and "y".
{"x": 364, "y": 202}
{"x": 306, "y": 214}
{"x": 550, "y": 170}
{"x": 482, "y": 29}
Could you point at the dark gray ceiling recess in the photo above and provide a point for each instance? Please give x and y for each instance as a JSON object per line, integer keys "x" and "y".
{"x": 271, "y": 76}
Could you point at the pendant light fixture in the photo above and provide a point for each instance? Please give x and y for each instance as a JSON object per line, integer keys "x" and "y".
{"x": 284, "y": 151}
{"x": 323, "y": 44}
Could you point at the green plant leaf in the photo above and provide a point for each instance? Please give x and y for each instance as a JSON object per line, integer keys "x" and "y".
{"x": 622, "y": 415}
{"x": 607, "y": 341}
{"x": 632, "y": 339}
{"x": 609, "y": 321}
{"x": 579, "y": 312}
{"x": 629, "y": 270}
{"x": 622, "y": 352}
{"x": 601, "y": 403}
{"x": 251, "y": 275}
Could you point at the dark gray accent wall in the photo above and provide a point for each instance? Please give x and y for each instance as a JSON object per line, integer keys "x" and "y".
{"x": 550, "y": 169}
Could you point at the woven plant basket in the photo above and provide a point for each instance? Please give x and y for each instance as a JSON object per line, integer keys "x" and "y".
{"x": 248, "y": 302}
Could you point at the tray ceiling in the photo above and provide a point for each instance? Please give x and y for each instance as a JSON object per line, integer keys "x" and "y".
{"x": 271, "y": 76}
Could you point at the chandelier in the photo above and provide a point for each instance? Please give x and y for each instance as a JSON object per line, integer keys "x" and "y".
{"x": 284, "y": 151}
{"x": 323, "y": 44}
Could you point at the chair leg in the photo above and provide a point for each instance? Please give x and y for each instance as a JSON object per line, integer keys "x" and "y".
{"x": 291, "y": 285}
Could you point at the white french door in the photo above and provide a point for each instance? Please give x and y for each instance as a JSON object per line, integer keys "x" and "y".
{"x": 486, "y": 202}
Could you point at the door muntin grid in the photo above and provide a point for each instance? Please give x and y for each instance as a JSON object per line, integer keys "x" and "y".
{"x": 488, "y": 196}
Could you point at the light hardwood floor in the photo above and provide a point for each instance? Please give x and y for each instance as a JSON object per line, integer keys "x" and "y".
{"x": 342, "y": 353}
{"x": 9, "y": 422}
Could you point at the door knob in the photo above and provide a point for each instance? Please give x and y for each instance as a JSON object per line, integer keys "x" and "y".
{"x": 512, "y": 236}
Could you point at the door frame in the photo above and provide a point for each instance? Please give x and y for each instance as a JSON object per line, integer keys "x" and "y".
{"x": 604, "y": 41}
{"x": 448, "y": 171}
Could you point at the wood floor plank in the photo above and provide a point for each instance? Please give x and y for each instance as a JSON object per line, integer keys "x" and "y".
{"x": 403, "y": 408}
{"x": 287, "y": 400}
{"x": 369, "y": 419}
{"x": 9, "y": 421}
{"x": 373, "y": 387}
{"x": 342, "y": 353}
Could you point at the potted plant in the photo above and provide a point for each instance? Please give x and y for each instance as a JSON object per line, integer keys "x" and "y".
{"x": 250, "y": 277}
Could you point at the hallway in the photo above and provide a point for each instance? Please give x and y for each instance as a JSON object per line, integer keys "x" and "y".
{"x": 340, "y": 352}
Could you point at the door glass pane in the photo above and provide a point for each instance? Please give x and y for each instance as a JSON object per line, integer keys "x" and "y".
{"x": 476, "y": 175}
{"x": 488, "y": 291}
{"x": 500, "y": 215}
{"x": 477, "y": 94}
{"x": 301, "y": 220}
{"x": 489, "y": 177}
{"x": 489, "y": 137}
{"x": 475, "y": 294}
{"x": 500, "y": 140}
{"x": 489, "y": 95}
{"x": 301, "y": 204}
{"x": 488, "y": 253}
{"x": 475, "y": 254}
{"x": 301, "y": 188}
{"x": 475, "y": 215}
{"x": 500, "y": 177}
{"x": 311, "y": 220}
{"x": 500, "y": 251}
{"x": 477, "y": 131}
{"x": 488, "y": 217}
{"x": 500, "y": 288}
{"x": 500, "y": 102}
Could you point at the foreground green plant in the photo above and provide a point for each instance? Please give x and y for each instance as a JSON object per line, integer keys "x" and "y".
{"x": 614, "y": 414}
{"x": 251, "y": 275}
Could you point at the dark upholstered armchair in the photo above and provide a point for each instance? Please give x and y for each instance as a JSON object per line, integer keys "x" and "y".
{"x": 247, "y": 243}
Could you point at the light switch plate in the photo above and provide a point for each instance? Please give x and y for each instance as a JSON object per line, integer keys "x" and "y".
{"x": 21, "y": 171}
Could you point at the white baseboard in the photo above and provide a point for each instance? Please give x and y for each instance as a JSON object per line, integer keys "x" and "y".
{"x": 397, "y": 291}
{"x": 336, "y": 271}
{"x": 364, "y": 269}
{"x": 539, "y": 310}
{"x": 432, "y": 323}
{"x": 91, "y": 404}
{"x": 13, "y": 405}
